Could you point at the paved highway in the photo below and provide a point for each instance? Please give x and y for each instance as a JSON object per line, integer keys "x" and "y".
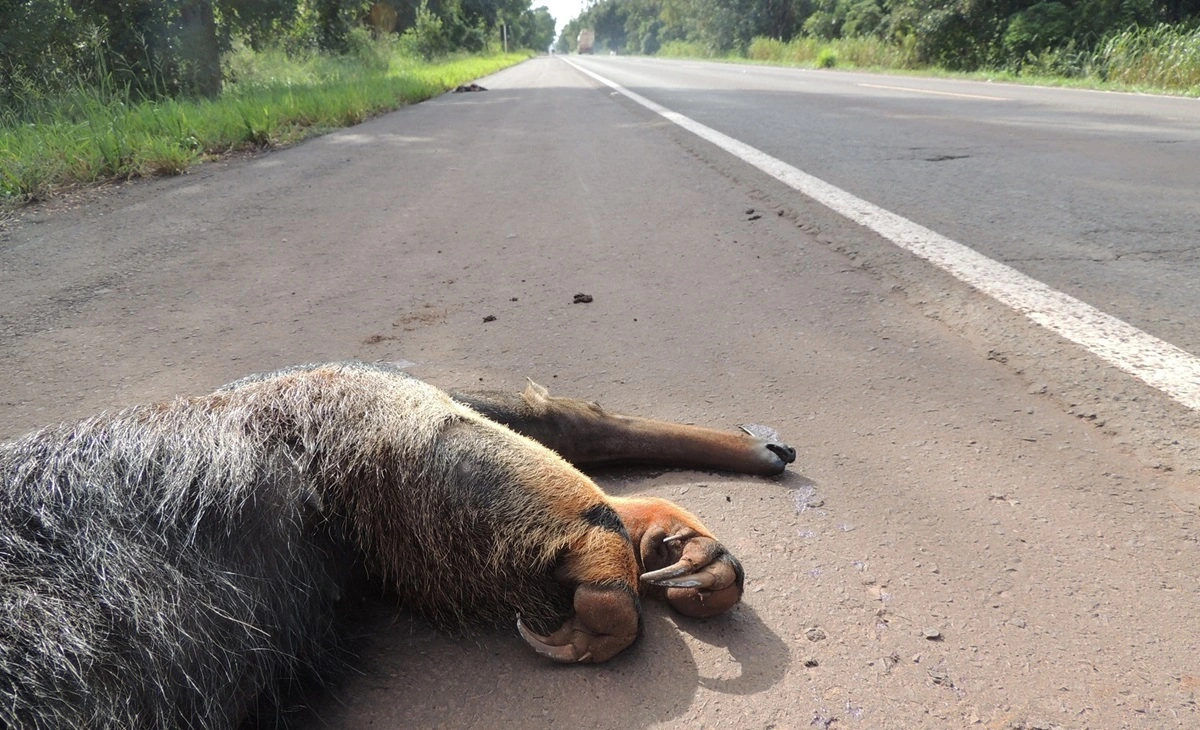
{"x": 987, "y": 525}
{"x": 1095, "y": 194}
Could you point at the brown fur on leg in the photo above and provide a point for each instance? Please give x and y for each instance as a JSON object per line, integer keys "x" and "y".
{"x": 607, "y": 617}
{"x": 586, "y": 435}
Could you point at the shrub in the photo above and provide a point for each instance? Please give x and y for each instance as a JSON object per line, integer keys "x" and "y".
{"x": 766, "y": 49}
{"x": 1036, "y": 29}
{"x": 685, "y": 49}
{"x": 428, "y": 37}
{"x": 368, "y": 51}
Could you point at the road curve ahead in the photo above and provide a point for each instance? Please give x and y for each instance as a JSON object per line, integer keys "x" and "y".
{"x": 985, "y": 527}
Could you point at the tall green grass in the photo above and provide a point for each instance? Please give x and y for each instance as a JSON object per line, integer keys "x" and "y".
{"x": 686, "y": 49}
{"x": 1163, "y": 58}
{"x": 95, "y": 133}
{"x": 1166, "y": 57}
{"x": 859, "y": 52}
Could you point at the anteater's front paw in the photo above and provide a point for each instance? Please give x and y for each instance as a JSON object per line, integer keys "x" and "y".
{"x": 700, "y": 576}
{"x": 606, "y": 620}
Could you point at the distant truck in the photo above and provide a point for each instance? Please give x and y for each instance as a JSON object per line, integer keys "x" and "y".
{"x": 587, "y": 40}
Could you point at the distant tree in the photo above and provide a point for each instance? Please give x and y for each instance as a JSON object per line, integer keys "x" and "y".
{"x": 608, "y": 20}
{"x": 570, "y": 32}
{"x": 536, "y": 29}
{"x": 862, "y": 18}
{"x": 335, "y": 18}
{"x": 199, "y": 48}
{"x": 1037, "y": 28}
{"x": 427, "y": 36}
{"x": 42, "y": 46}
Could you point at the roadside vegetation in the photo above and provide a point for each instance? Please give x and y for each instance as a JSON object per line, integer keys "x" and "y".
{"x": 91, "y": 90}
{"x": 1128, "y": 44}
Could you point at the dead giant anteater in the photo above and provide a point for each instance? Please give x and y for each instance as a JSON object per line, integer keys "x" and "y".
{"x": 166, "y": 565}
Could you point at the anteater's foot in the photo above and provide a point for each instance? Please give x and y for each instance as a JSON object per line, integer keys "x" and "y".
{"x": 700, "y": 576}
{"x": 771, "y": 451}
{"x": 606, "y": 620}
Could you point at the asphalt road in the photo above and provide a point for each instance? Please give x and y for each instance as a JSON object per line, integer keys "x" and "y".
{"x": 1095, "y": 194}
{"x": 985, "y": 527}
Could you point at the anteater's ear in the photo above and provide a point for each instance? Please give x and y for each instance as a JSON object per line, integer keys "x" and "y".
{"x": 536, "y": 395}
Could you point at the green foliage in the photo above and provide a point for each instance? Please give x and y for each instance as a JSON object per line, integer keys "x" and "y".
{"x": 826, "y": 58}
{"x": 154, "y": 47}
{"x": 1043, "y": 36}
{"x": 862, "y": 18}
{"x": 278, "y": 98}
{"x": 374, "y": 54}
{"x": 534, "y": 29}
{"x": 685, "y": 49}
{"x": 646, "y": 35}
{"x": 427, "y": 38}
{"x": 1163, "y": 56}
{"x": 158, "y": 49}
{"x": 334, "y": 20}
{"x": 32, "y": 35}
{"x": 1036, "y": 29}
{"x": 823, "y": 24}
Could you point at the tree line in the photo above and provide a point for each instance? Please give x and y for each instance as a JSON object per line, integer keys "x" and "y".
{"x": 953, "y": 34}
{"x": 158, "y": 48}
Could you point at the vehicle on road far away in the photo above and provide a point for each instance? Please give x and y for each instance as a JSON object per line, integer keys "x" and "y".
{"x": 587, "y": 39}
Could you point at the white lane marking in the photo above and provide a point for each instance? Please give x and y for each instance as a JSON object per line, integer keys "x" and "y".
{"x": 939, "y": 93}
{"x": 1158, "y": 363}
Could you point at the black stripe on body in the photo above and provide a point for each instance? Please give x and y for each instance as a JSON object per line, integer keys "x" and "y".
{"x": 605, "y": 517}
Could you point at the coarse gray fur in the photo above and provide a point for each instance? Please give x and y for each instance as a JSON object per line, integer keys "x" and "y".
{"x": 164, "y": 566}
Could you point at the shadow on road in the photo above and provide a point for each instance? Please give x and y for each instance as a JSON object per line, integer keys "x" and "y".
{"x": 406, "y": 674}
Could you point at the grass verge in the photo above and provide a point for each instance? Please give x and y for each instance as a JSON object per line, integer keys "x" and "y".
{"x": 95, "y": 134}
{"x": 1161, "y": 60}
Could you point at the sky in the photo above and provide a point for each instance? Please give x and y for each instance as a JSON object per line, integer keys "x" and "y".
{"x": 561, "y": 10}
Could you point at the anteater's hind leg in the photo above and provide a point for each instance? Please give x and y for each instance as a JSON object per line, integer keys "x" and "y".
{"x": 678, "y": 558}
{"x": 586, "y": 435}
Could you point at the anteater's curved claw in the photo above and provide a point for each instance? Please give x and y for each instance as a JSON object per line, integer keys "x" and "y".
{"x": 606, "y": 620}
{"x": 661, "y": 576}
{"x": 565, "y": 654}
{"x": 698, "y": 552}
{"x": 704, "y": 590}
{"x": 701, "y": 579}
